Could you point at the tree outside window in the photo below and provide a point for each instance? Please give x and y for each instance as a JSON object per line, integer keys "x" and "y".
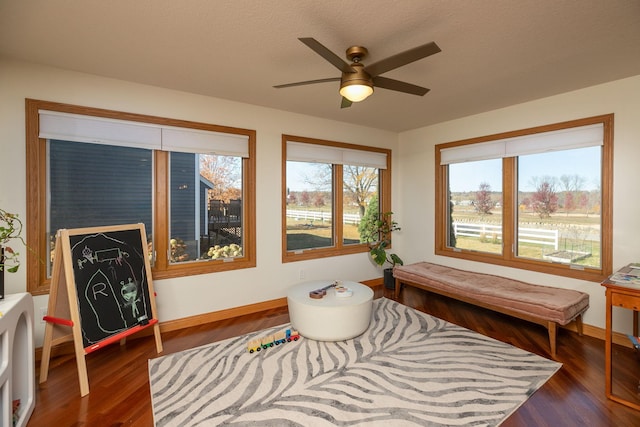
{"x": 555, "y": 213}
{"x": 141, "y": 169}
{"x": 328, "y": 188}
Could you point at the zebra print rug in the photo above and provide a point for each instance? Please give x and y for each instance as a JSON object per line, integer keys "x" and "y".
{"x": 407, "y": 369}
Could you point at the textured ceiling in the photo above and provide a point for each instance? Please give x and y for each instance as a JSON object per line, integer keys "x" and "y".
{"x": 495, "y": 53}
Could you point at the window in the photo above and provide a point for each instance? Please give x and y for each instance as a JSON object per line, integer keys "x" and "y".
{"x": 538, "y": 199}
{"x": 328, "y": 188}
{"x": 480, "y": 205}
{"x": 99, "y": 167}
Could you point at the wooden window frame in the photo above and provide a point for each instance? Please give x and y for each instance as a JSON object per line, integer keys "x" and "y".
{"x": 339, "y": 248}
{"x": 509, "y": 205}
{"x": 36, "y": 166}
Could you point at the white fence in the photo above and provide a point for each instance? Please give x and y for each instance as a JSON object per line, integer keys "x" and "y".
{"x": 526, "y": 235}
{"x": 301, "y": 215}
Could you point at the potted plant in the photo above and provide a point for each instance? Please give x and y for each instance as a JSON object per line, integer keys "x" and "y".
{"x": 10, "y": 228}
{"x": 378, "y": 234}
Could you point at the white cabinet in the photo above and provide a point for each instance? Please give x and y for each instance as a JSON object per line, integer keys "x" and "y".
{"x": 17, "y": 358}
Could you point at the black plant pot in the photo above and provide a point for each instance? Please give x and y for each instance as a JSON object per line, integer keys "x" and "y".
{"x": 389, "y": 281}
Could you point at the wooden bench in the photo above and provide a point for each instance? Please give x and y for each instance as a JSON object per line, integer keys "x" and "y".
{"x": 544, "y": 305}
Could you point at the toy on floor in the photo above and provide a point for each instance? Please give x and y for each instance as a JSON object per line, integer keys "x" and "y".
{"x": 278, "y": 338}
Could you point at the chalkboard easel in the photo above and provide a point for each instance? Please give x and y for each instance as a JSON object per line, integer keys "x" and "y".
{"x": 101, "y": 288}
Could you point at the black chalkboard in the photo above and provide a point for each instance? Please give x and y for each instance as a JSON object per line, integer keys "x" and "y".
{"x": 112, "y": 282}
{"x": 101, "y": 287}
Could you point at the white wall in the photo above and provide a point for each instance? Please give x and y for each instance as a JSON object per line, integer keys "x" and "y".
{"x": 182, "y": 297}
{"x": 414, "y": 182}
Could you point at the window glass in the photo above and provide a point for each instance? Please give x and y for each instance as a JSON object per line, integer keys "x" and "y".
{"x": 332, "y": 191}
{"x": 206, "y": 207}
{"x": 309, "y": 205}
{"x": 475, "y": 194}
{"x": 94, "y": 185}
{"x": 94, "y": 167}
{"x": 559, "y": 196}
{"x": 538, "y": 199}
{"x": 360, "y": 196}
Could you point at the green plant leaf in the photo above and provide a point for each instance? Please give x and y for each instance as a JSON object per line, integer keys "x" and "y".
{"x": 395, "y": 259}
{"x": 378, "y": 255}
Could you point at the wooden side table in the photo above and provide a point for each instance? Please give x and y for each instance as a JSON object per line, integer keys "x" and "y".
{"x": 625, "y": 296}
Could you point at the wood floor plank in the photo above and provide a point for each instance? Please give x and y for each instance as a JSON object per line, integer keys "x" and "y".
{"x": 119, "y": 382}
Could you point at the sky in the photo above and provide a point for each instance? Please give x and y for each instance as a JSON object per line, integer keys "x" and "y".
{"x": 297, "y": 173}
{"x": 584, "y": 162}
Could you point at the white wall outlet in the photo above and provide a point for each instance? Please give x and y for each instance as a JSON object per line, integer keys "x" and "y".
{"x": 43, "y": 312}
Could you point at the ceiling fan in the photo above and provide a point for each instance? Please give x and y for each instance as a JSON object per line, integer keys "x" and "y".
{"x": 357, "y": 80}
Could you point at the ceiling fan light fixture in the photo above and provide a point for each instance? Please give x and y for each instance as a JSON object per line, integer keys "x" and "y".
{"x": 357, "y": 81}
{"x": 356, "y": 86}
{"x": 356, "y": 92}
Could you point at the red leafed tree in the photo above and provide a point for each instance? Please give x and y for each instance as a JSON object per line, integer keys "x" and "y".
{"x": 583, "y": 202}
{"x": 318, "y": 200}
{"x": 572, "y": 186}
{"x": 569, "y": 203}
{"x": 483, "y": 202}
{"x": 305, "y": 198}
{"x": 544, "y": 201}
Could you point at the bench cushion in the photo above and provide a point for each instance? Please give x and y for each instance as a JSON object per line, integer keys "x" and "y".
{"x": 545, "y": 302}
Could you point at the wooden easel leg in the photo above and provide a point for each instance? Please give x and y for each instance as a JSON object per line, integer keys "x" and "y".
{"x": 156, "y": 332}
{"x": 46, "y": 352}
{"x": 82, "y": 368}
{"x": 51, "y": 310}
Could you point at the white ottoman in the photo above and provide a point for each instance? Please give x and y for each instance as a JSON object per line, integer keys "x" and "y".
{"x": 331, "y": 318}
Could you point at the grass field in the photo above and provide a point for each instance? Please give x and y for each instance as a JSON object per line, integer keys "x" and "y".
{"x": 579, "y": 235}
{"x": 305, "y": 235}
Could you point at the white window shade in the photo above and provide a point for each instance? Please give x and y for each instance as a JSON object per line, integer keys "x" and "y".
{"x": 564, "y": 139}
{"x": 204, "y": 142}
{"x": 364, "y": 158}
{"x": 315, "y": 153}
{"x": 100, "y": 130}
{"x": 97, "y": 130}
{"x": 472, "y": 152}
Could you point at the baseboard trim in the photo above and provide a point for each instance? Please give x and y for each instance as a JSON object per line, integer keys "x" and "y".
{"x": 199, "y": 319}
{"x": 616, "y": 337}
{"x": 215, "y": 316}
{"x": 599, "y": 333}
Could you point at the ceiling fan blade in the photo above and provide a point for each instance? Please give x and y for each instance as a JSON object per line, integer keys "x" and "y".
{"x": 402, "y": 58}
{"x": 334, "y": 59}
{"x": 397, "y": 85}
{"x": 345, "y": 103}
{"x": 309, "y": 82}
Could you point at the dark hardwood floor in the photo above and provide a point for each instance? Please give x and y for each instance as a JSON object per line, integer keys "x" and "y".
{"x": 119, "y": 385}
